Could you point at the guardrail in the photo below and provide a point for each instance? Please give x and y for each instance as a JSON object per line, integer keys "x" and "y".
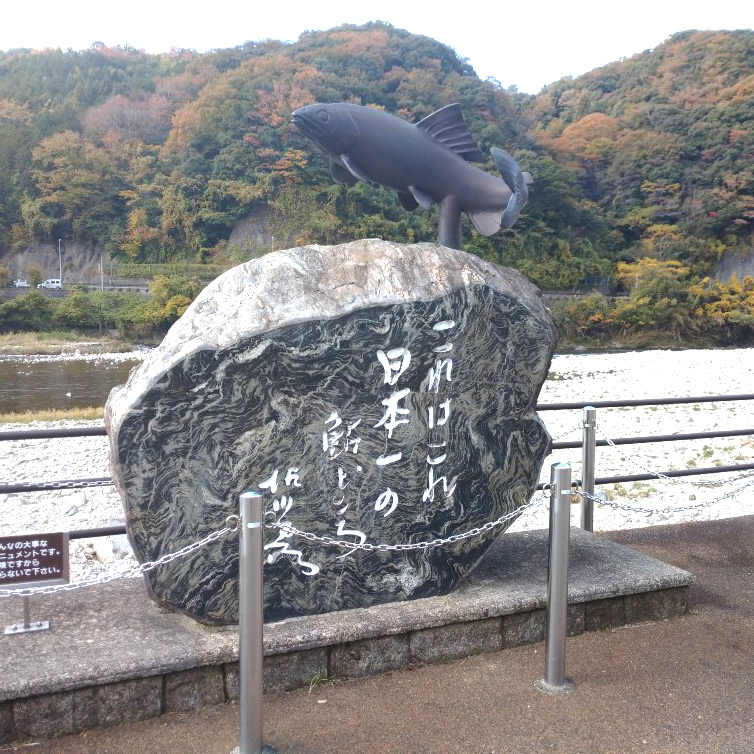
{"x": 587, "y": 443}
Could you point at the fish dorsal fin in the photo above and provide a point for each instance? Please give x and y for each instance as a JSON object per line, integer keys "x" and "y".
{"x": 424, "y": 200}
{"x": 487, "y": 222}
{"x": 354, "y": 169}
{"x": 341, "y": 174}
{"x": 448, "y": 127}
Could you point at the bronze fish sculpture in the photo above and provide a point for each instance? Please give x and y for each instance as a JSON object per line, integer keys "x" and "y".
{"x": 426, "y": 163}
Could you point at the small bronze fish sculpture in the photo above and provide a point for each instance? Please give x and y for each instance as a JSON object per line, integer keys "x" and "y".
{"x": 426, "y": 163}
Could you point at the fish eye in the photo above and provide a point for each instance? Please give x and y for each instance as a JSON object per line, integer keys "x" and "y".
{"x": 323, "y": 115}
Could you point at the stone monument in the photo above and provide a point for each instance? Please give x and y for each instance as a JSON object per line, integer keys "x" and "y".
{"x": 378, "y": 393}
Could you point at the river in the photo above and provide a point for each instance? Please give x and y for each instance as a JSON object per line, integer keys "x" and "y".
{"x": 36, "y": 383}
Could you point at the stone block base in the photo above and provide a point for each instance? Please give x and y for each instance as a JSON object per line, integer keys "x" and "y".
{"x": 131, "y": 660}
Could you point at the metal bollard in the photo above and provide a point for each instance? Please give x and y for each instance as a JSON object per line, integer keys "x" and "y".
{"x": 250, "y": 625}
{"x": 588, "y": 446}
{"x": 554, "y": 681}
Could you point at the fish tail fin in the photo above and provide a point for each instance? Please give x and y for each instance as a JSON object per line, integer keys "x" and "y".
{"x": 516, "y": 182}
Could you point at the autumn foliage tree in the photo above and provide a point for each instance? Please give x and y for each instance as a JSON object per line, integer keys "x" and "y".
{"x": 78, "y": 189}
{"x": 157, "y": 158}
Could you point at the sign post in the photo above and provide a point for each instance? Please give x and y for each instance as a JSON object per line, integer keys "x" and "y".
{"x": 30, "y": 560}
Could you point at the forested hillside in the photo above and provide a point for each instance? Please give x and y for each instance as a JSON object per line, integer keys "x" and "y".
{"x": 664, "y": 144}
{"x": 155, "y": 158}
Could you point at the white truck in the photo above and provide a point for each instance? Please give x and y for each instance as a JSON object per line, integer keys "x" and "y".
{"x": 51, "y": 283}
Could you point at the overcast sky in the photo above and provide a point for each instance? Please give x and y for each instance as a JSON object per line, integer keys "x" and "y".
{"x": 526, "y": 44}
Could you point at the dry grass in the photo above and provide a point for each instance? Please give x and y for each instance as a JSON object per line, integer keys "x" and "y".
{"x": 25, "y": 417}
{"x": 55, "y": 343}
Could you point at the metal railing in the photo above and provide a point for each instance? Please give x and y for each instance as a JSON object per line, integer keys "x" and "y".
{"x": 250, "y": 523}
{"x": 633, "y": 403}
{"x": 587, "y": 443}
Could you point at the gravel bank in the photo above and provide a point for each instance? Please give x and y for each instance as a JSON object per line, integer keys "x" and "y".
{"x": 649, "y": 374}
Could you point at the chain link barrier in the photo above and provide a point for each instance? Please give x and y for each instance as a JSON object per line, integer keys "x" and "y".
{"x": 668, "y": 508}
{"x": 405, "y": 546}
{"x": 68, "y": 484}
{"x": 128, "y": 573}
{"x": 566, "y": 433}
{"x": 665, "y": 478}
{"x": 232, "y": 525}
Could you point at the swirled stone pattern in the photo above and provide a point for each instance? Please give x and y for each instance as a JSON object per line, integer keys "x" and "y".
{"x": 376, "y": 393}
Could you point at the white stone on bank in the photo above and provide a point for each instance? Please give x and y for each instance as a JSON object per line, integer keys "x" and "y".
{"x": 649, "y": 374}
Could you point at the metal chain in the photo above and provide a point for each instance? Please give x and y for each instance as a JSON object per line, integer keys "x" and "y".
{"x": 71, "y": 484}
{"x": 405, "y": 546}
{"x": 565, "y": 434}
{"x": 130, "y": 573}
{"x": 665, "y": 477}
{"x": 232, "y": 526}
{"x": 667, "y": 508}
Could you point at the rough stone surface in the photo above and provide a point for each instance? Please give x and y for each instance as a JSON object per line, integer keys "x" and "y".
{"x": 231, "y": 681}
{"x": 523, "y": 628}
{"x": 283, "y": 672}
{"x": 608, "y": 613}
{"x": 127, "y": 701}
{"x": 446, "y": 643}
{"x": 379, "y": 392}
{"x": 6, "y": 723}
{"x": 295, "y": 669}
{"x": 575, "y": 619}
{"x": 86, "y": 708}
{"x": 44, "y": 716}
{"x": 191, "y": 689}
{"x": 369, "y": 657}
{"x": 657, "y": 605}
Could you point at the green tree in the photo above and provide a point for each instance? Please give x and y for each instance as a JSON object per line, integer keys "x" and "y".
{"x": 659, "y": 297}
{"x": 30, "y": 312}
{"x": 74, "y": 311}
{"x": 79, "y": 189}
{"x": 34, "y": 275}
{"x": 169, "y": 297}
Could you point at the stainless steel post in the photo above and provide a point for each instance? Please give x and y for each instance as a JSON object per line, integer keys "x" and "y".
{"x": 27, "y": 625}
{"x": 587, "y": 466}
{"x": 556, "y": 618}
{"x": 250, "y": 624}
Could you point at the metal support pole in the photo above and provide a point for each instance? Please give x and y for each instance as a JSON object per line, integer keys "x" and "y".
{"x": 27, "y": 625}
{"x": 556, "y": 618}
{"x": 250, "y": 625}
{"x": 587, "y": 467}
{"x": 449, "y": 225}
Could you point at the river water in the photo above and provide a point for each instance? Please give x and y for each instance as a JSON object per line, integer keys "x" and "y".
{"x": 57, "y": 382}
{"x": 35, "y": 383}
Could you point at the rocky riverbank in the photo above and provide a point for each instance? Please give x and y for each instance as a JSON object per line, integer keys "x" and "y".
{"x": 593, "y": 377}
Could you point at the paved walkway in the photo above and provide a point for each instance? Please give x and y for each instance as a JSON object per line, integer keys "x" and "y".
{"x": 679, "y": 686}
